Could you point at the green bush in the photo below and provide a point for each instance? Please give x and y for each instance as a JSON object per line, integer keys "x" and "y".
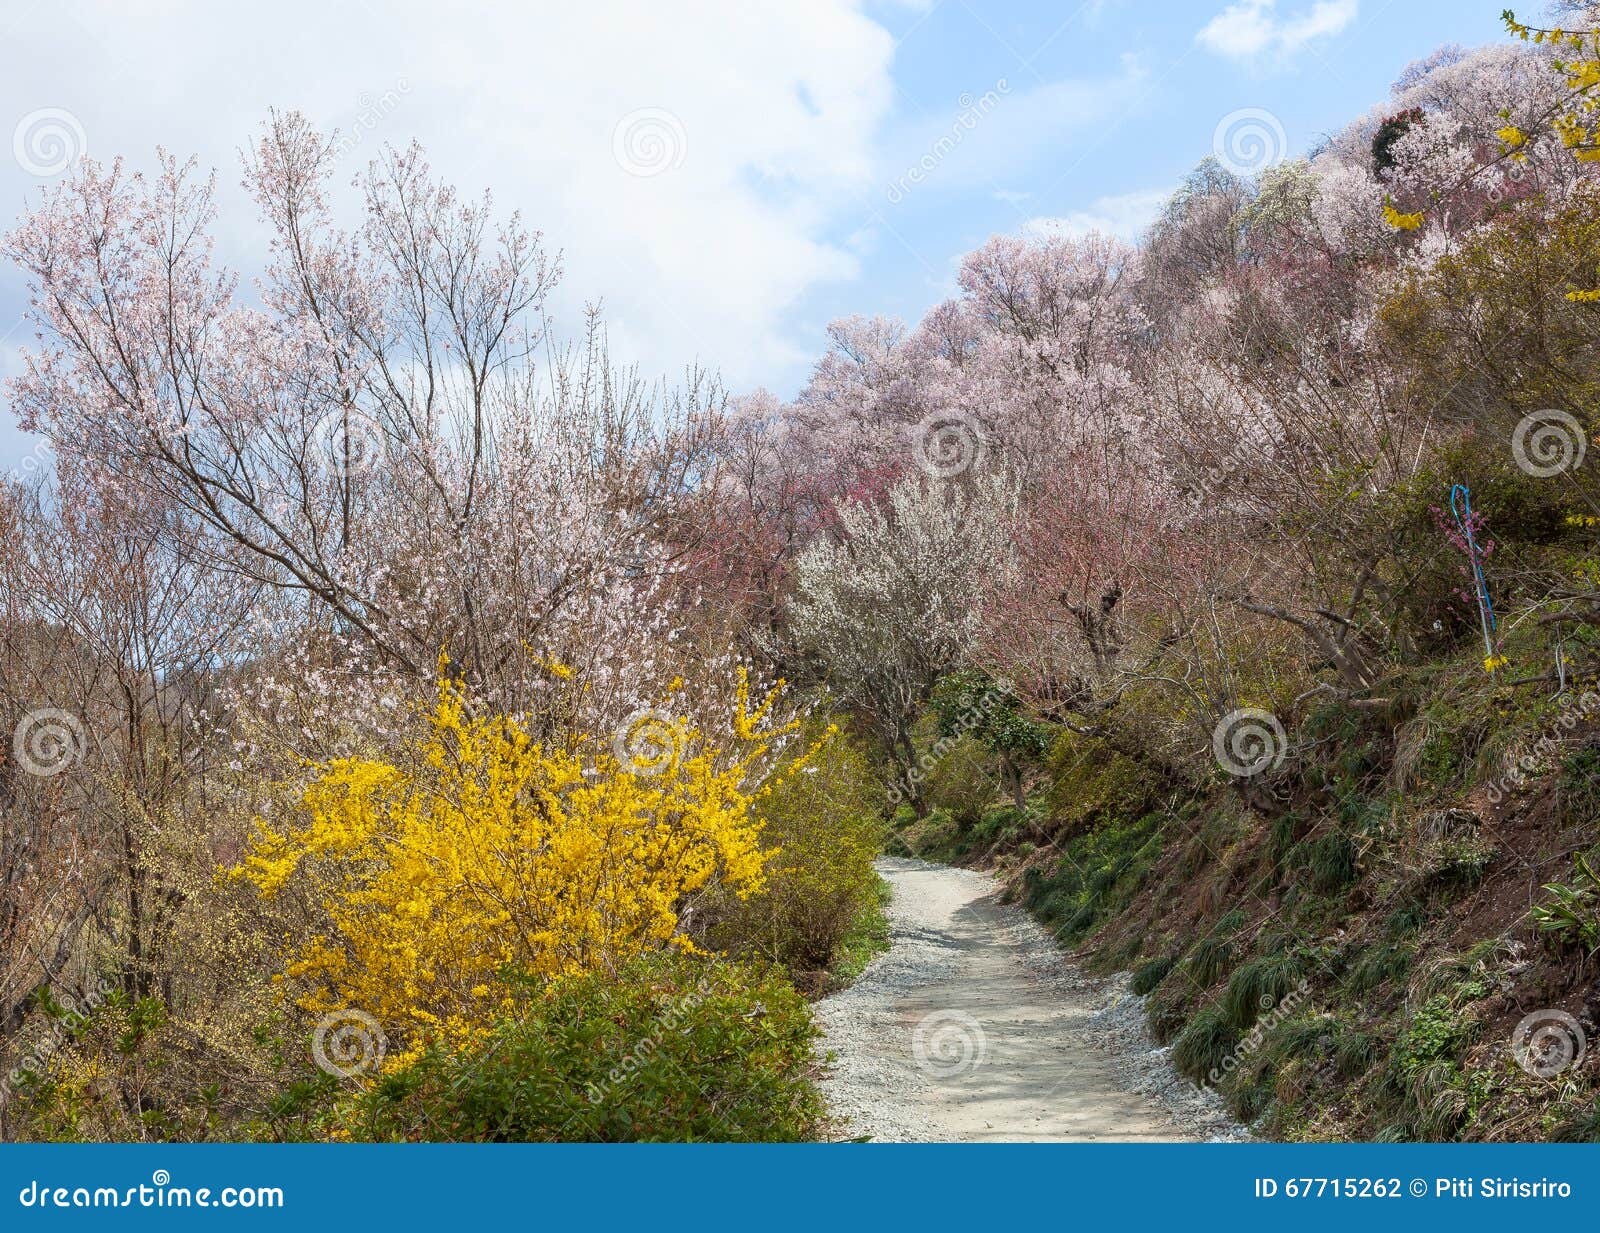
{"x": 1168, "y": 1011}
{"x": 936, "y": 837}
{"x": 1579, "y": 785}
{"x": 1373, "y": 967}
{"x": 867, "y": 938}
{"x": 1523, "y": 514}
{"x": 1212, "y": 956}
{"x": 1329, "y": 862}
{"x": 963, "y": 782}
{"x": 1438, "y": 1032}
{"x": 972, "y": 705}
{"x": 999, "y": 823}
{"x": 1570, "y": 915}
{"x": 826, "y": 827}
{"x": 1090, "y": 782}
{"x": 71, "y": 1087}
{"x": 671, "y": 1048}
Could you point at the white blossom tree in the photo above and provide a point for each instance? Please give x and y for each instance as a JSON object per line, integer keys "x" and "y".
{"x": 895, "y": 599}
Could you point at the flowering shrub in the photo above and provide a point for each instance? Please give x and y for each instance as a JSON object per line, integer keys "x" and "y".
{"x": 485, "y": 854}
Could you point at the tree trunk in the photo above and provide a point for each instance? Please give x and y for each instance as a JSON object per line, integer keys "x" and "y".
{"x": 1013, "y": 774}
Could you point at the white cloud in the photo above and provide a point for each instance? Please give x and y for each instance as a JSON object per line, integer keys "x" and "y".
{"x": 1252, "y": 28}
{"x": 1125, "y": 216}
{"x": 776, "y": 106}
{"x": 996, "y": 134}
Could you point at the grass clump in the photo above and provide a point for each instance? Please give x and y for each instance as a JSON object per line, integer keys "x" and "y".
{"x": 1203, "y": 1047}
{"x": 1099, "y": 874}
{"x": 1260, "y": 986}
{"x": 1148, "y": 975}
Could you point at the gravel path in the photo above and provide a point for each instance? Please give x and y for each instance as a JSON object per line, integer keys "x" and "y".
{"x": 973, "y": 1026}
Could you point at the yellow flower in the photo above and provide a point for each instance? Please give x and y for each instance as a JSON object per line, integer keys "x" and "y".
{"x": 480, "y": 855}
{"x": 1493, "y": 662}
{"x": 553, "y": 666}
{"x": 1399, "y": 221}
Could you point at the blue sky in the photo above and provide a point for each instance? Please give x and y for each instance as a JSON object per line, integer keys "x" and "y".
{"x": 1110, "y": 105}
{"x": 726, "y": 176}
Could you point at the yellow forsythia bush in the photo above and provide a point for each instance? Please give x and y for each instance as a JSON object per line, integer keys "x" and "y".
{"x": 484, "y": 856}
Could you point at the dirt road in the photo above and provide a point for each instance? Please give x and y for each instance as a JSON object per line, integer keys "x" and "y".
{"x": 972, "y": 1027}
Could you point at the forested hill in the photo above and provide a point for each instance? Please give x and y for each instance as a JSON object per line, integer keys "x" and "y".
{"x": 1263, "y": 612}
